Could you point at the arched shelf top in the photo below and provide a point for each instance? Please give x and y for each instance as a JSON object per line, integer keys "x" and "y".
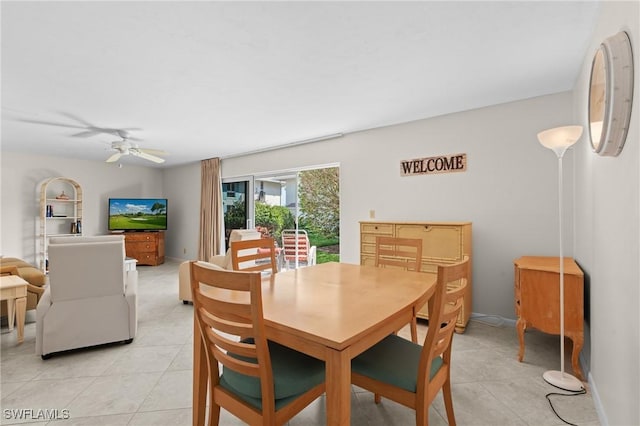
{"x": 45, "y": 184}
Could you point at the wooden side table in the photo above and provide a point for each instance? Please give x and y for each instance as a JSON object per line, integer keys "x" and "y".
{"x": 537, "y": 301}
{"x": 13, "y": 289}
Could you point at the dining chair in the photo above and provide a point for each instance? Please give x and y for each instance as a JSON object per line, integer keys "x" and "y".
{"x": 404, "y": 253}
{"x": 410, "y": 374}
{"x": 262, "y": 383}
{"x": 254, "y": 255}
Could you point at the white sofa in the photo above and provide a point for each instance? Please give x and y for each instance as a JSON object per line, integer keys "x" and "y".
{"x": 222, "y": 261}
{"x": 90, "y": 300}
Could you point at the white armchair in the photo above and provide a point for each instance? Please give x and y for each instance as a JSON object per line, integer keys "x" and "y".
{"x": 222, "y": 261}
{"x": 90, "y": 299}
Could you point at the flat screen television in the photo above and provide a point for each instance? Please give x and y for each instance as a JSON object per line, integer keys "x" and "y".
{"x": 137, "y": 214}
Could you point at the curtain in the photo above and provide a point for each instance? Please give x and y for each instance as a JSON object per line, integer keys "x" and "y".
{"x": 211, "y": 219}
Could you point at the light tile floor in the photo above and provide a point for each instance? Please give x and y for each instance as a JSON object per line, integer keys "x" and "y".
{"x": 149, "y": 381}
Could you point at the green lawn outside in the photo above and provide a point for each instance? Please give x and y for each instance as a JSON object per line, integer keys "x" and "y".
{"x": 321, "y": 241}
{"x": 322, "y": 257}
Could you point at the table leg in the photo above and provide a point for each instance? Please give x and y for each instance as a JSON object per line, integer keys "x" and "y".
{"x": 11, "y": 312}
{"x": 21, "y": 311}
{"x": 338, "y": 387}
{"x": 200, "y": 376}
{"x": 520, "y": 326}
{"x": 577, "y": 342}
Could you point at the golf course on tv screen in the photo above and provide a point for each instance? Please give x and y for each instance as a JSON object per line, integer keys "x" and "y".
{"x": 137, "y": 214}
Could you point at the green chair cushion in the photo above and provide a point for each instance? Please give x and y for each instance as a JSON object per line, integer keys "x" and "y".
{"x": 256, "y": 402}
{"x": 293, "y": 374}
{"x": 395, "y": 361}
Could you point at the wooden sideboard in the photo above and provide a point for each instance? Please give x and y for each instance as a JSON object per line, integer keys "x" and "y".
{"x": 537, "y": 301}
{"x": 442, "y": 243}
{"x": 146, "y": 247}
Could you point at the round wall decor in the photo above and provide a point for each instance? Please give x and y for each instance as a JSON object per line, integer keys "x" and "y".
{"x": 611, "y": 95}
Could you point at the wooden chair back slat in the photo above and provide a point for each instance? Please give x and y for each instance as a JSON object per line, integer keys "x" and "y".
{"x": 397, "y": 252}
{"x": 225, "y": 317}
{"x": 401, "y": 253}
{"x": 445, "y": 309}
{"x": 254, "y": 255}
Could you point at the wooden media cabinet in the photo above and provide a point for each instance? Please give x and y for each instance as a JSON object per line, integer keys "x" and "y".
{"x": 146, "y": 247}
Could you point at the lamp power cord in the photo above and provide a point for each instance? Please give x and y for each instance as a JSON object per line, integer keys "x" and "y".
{"x": 572, "y": 393}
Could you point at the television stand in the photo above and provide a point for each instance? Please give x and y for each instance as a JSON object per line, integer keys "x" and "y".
{"x": 146, "y": 247}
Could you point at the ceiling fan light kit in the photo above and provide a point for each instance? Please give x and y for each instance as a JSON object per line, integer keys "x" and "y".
{"x": 124, "y": 147}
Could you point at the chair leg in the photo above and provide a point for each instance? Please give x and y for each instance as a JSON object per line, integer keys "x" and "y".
{"x": 448, "y": 402}
{"x": 214, "y": 413}
{"x": 414, "y": 330}
{"x": 422, "y": 415}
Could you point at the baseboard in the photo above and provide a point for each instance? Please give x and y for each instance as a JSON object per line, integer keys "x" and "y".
{"x": 602, "y": 416}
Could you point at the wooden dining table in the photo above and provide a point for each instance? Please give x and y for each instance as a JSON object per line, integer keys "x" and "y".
{"x": 333, "y": 312}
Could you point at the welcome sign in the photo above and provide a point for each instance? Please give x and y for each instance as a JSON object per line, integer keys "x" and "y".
{"x": 432, "y": 165}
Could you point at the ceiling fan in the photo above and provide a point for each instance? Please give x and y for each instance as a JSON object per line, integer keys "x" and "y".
{"x": 124, "y": 147}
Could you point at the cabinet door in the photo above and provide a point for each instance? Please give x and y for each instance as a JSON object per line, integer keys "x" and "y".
{"x": 439, "y": 242}
{"x": 540, "y": 300}
{"x": 368, "y": 233}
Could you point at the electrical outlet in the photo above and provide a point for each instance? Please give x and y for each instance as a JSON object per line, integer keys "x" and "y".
{"x": 372, "y": 214}
{"x": 184, "y": 251}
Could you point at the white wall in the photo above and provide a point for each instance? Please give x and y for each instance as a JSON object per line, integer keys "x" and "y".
{"x": 509, "y": 191}
{"x": 22, "y": 174}
{"x": 607, "y": 236}
{"x": 182, "y": 189}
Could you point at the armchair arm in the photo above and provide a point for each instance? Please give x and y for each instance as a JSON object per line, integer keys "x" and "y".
{"x": 131, "y": 296}
{"x": 13, "y": 270}
{"x": 38, "y": 291}
{"x": 41, "y": 310}
{"x": 9, "y": 270}
{"x": 131, "y": 283}
{"x": 312, "y": 256}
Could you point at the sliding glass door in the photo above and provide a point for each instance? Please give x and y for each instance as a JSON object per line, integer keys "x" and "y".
{"x": 298, "y": 208}
{"x": 238, "y": 205}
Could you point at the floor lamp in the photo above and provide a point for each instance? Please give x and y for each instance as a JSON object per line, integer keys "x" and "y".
{"x": 558, "y": 140}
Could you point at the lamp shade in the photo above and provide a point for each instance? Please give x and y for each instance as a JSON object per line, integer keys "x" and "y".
{"x": 560, "y": 138}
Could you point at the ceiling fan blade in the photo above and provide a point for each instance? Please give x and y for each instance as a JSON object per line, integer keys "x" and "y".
{"x": 115, "y": 157}
{"x": 121, "y": 133}
{"x": 141, "y": 154}
{"x": 153, "y": 151}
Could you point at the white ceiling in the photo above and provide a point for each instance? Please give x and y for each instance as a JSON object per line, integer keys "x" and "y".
{"x": 207, "y": 79}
